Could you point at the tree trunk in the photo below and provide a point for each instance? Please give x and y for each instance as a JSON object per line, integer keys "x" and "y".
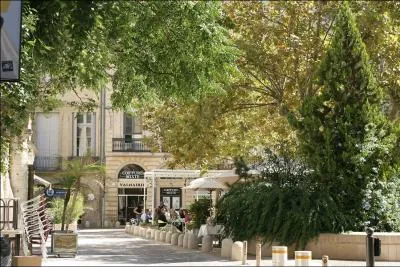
{"x": 66, "y": 200}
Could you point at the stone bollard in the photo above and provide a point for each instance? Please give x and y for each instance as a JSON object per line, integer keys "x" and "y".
{"x": 140, "y": 232}
{"x": 180, "y": 240}
{"x": 226, "y": 248}
{"x": 153, "y": 234}
{"x": 144, "y": 232}
{"x": 168, "y": 237}
{"x": 117, "y": 224}
{"x": 136, "y": 230}
{"x": 192, "y": 241}
{"x": 162, "y": 236}
{"x": 207, "y": 243}
{"x": 148, "y": 234}
{"x": 258, "y": 254}
{"x": 157, "y": 235}
{"x": 185, "y": 240}
{"x": 127, "y": 228}
{"x": 244, "y": 257}
{"x": 279, "y": 255}
{"x": 303, "y": 258}
{"x": 325, "y": 261}
{"x": 237, "y": 251}
{"x": 174, "y": 239}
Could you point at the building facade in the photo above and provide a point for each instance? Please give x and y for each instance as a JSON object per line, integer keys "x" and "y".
{"x": 116, "y": 139}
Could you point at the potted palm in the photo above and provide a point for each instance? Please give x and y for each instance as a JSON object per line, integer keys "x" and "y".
{"x": 65, "y": 240}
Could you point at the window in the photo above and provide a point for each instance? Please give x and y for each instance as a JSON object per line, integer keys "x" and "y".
{"x": 132, "y": 125}
{"x": 84, "y": 134}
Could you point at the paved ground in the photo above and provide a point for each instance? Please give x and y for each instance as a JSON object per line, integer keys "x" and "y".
{"x": 114, "y": 247}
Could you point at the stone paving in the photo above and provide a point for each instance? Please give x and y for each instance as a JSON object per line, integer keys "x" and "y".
{"x": 114, "y": 247}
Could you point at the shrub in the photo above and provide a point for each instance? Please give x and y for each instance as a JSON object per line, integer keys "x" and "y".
{"x": 56, "y": 210}
{"x": 200, "y": 210}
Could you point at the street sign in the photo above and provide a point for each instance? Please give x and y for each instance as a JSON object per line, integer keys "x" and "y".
{"x": 52, "y": 192}
{"x": 10, "y": 45}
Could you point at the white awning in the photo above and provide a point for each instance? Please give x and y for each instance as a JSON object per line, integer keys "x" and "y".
{"x": 40, "y": 180}
{"x": 206, "y": 184}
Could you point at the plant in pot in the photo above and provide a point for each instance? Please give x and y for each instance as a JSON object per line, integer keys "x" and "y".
{"x": 65, "y": 241}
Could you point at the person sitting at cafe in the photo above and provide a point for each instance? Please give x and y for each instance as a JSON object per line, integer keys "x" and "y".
{"x": 138, "y": 213}
{"x": 162, "y": 219}
{"x": 187, "y": 217}
{"x": 146, "y": 216}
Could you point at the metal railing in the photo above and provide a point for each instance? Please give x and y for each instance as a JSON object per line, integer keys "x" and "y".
{"x": 47, "y": 163}
{"x": 129, "y": 145}
{"x": 8, "y": 213}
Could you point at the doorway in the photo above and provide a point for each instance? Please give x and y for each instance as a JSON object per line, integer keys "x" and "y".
{"x": 128, "y": 200}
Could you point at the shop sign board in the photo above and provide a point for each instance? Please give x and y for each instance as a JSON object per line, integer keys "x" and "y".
{"x": 131, "y": 174}
{"x": 131, "y": 183}
{"x": 171, "y": 191}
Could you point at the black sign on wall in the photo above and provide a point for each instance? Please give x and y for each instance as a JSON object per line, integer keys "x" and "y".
{"x": 171, "y": 191}
{"x": 171, "y": 197}
{"x": 131, "y": 171}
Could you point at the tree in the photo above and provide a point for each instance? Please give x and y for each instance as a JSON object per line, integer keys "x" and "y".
{"x": 72, "y": 181}
{"x": 345, "y": 136}
{"x": 281, "y": 44}
{"x": 347, "y": 176}
{"x": 159, "y": 49}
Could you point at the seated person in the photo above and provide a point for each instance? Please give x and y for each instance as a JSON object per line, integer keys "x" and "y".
{"x": 162, "y": 219}
{"x": 138, "y": 213}
{"x": 146, "y": 216}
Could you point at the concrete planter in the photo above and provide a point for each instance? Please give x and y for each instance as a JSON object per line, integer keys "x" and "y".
{"x": 32, "y": 261}
{"x": 64, "y": 243}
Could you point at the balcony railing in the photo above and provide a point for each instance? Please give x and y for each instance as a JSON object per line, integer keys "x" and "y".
{"x": 47, "y": 163}
{"x": 131, "y": 145}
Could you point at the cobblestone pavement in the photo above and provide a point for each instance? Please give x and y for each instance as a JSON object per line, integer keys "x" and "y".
{"x": 114, "y": 247}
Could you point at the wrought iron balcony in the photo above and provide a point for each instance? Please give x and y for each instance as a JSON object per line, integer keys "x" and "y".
{"x": 129, "y": 145}
{"x": 47, "y": 163}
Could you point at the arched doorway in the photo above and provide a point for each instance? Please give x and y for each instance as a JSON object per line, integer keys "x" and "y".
{"x": 131, "y": 191}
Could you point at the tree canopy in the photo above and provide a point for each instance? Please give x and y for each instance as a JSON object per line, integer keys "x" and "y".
{"x": 281, "y": 44}
{"x": 346, "y": 173}
{"x": 156, "y": 49}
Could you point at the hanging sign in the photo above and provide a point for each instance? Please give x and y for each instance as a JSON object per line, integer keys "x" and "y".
{"x": 10, "y": 42}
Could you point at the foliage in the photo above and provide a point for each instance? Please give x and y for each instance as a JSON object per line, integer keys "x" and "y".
{"x": 200, "y": 211}
{"x": 149, "y": 50}
{"x": 57, "y": 207}
{"x": 71, "y": 180}
{"x": 281, "y": 206}
{"x": 344, "y": 134}
{"x": 281, "y": 44}
{"x": 349, "y": 176}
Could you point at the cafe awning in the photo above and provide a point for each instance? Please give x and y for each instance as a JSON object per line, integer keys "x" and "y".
{"x": 210, "y": 184}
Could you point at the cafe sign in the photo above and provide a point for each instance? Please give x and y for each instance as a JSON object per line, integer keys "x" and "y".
{"x": 131, "y": 183}
{"x": 170, "y": 191}
{"x": 131, "y": 171}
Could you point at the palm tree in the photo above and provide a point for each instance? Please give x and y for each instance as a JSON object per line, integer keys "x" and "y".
{"x": 71, "y": 180}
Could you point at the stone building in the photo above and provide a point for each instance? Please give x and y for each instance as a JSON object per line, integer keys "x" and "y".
{"x": 116, "y": 139}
